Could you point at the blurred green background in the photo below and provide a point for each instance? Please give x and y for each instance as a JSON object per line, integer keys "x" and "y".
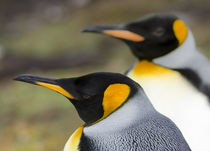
{"x": 42, "y": 38}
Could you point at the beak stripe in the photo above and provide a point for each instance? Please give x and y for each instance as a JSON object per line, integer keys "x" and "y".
{"x": 55, "y": 88}
{"x": 124, "y": 34}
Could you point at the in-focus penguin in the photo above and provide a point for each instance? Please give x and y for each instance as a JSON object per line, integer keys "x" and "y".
{"x": 174, "y": 75}
{"x": 117, "y": 114}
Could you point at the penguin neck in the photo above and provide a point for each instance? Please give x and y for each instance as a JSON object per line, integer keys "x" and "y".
{"x": 181, "y": 56}
{"x": 128, "y": 115}
{"x": 185, "y": 57}
{"x": 190, "y": 62}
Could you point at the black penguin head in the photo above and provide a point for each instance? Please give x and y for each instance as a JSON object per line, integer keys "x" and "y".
{"x": 150, "y": 37}
{"x": 95, "y": 96}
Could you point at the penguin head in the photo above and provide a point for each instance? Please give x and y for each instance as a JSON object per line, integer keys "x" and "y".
{"x": 95, "y": 96}
{"x": 151, "y": 37}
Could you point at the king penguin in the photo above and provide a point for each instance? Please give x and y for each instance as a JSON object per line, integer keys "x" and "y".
{"x": 117, "y": 114}
{"x": 173, "y": 73}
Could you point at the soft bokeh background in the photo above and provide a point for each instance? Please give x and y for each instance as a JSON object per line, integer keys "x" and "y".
{"x": 42, "y": 37}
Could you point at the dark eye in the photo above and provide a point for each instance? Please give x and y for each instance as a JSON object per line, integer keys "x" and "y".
{"x": 86, "y": 96}
{"x": 159, "y": 32}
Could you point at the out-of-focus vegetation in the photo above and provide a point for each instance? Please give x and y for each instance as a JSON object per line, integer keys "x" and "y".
{"x": 42, "y": 37}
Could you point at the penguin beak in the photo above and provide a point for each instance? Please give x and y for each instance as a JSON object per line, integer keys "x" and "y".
{"x": 49, "y": 83}
{"x": 115, "y": 31}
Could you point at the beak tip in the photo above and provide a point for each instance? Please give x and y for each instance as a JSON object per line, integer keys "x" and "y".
{"x": 24, "y": 78}
{"x": 16, "y": 78}
{"x": 83, "y": 30}
{"x": 19, "y": 77}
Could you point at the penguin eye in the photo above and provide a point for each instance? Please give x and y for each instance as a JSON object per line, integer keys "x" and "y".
{"x": 85, "y": 96}
{"x": 159, "y": 31}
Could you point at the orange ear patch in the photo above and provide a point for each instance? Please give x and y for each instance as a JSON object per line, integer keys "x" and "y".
{"x": 114, "y": 96}
{"x": 180, "y": 31}
{"x": 124, "y": 34}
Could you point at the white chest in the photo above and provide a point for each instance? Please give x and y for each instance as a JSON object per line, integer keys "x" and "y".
{"x": 173, "y": 96}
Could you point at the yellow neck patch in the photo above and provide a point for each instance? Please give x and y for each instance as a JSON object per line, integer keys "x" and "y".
{"x": 180, "y": 31}
{"x": 124, "y": 34}
{"x": 114, "y": 96}
{"x": 147, "y": 68}
{"x": 55, "y": 88}
{"x": 74, "y": 140}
